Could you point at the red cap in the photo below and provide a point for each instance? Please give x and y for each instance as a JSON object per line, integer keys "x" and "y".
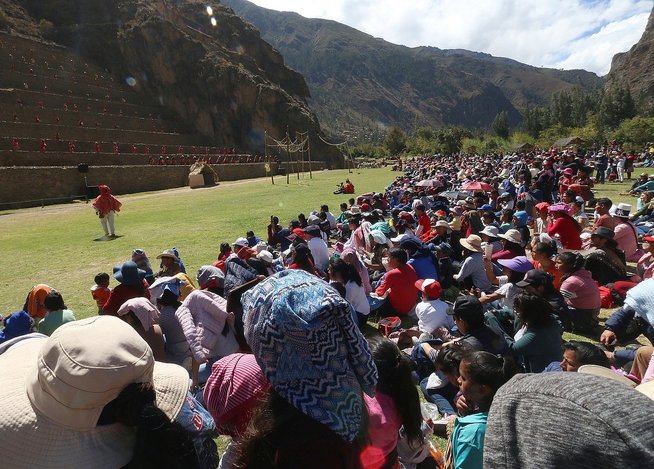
{"x": 430, "y": 286}
{"x": 649, "y": 239}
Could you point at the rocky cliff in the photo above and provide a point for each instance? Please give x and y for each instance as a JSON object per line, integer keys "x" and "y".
{"x": 224, "y": 81}
{"x": 635, "y": 68}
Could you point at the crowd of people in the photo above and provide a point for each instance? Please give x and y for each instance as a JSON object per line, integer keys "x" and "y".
{"x": 309, "y": 346}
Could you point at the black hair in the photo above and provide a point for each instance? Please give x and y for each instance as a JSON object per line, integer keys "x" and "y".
{"x": 339, "y": 287}
{"x": 394, "y": 371}
{"x": 515, "y": 277}
{"x": 168, "y": 298}
{"x": 249, "y": 234}
{"x": 604, "y": 201}
{"x": 507, "y": 212}
{"x": 571, "y": 193}
{"x": 303, "y": 258}
{"x": 532, "y": 309}
{"x": 449, "y": 357}
{"x": 399, "y": 255}
{"x": 548, "y": 248}
{"x": 520, "y": 205}
{"x": 273, "y": 418}
{"x": 421, "y": 207}
{"x": 490, "y": 370}
{"x": 159, "y": 442}
{"x": 225, "y": 247}
{"x": 474, "y": 220}
{"x": 101, "y": 278}
{"x": 587, "y": 353}
{"x": 573, "y": 260}
{"x": 54, "y": 301}
{"x": 324, "y": 208}
{"x": 347, "y": 272}
{"x": 344, "y": 205}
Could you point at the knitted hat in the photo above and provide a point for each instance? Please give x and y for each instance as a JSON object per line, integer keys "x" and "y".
{"x": 304, "y": 338}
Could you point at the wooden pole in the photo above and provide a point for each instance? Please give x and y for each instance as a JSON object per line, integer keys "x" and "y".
{"x": 265, "y": 157}
{"x": 309, "y": 155}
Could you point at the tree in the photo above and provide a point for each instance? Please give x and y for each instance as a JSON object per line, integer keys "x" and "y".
{"x": 500, "y": 125}
{"x": 637, "y": 131}
{"x": 616, "y": 105}
{"x": 395, "y": 141}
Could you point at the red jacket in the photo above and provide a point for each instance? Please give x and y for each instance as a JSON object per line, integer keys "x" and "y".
{"x": 567, "y": 231}
{"x": 401, "y": 281}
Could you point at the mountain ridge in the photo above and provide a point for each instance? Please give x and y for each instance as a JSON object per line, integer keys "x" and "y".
{"x": 358, "y": 81}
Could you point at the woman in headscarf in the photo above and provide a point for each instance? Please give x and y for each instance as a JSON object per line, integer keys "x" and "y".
{"x": 350, "y": 256}
{"x": 106, "y": 206}
{"x": 605, "y": 261}
{"x": 304, "y": 338}
{"x": 564, "y": 226}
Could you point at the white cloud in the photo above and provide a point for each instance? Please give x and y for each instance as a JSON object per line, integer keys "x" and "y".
{"x": 553, "y": 33}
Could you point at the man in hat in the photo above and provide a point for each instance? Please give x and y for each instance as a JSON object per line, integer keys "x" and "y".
{"x": 318, "y": 247}
{"x": 169, "y": 264}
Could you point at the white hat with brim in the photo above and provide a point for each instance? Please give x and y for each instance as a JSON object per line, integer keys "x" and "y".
{"x": 647, "y": 389}
{"x": 607, "y": 373}
{"x": 67, "y": 436}
{"x": 512, "y": 236}
{"x": 472, "y": 243}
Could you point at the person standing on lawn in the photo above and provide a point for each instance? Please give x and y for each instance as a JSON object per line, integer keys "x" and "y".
{"x": 106, "y": 206}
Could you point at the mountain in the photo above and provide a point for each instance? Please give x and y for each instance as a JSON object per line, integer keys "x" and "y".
{"x": 224, "y": 82}
{"x": 635, "y": 68}
{"x": 359, "y": 83}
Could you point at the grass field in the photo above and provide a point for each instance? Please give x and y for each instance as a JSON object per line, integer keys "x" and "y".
{"x": 55, "y": 245}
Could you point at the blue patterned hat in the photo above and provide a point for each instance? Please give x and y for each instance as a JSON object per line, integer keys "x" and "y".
{"x": 304, "y": 338}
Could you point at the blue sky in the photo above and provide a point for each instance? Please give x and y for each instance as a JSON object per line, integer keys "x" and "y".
{"x": 552, "y": 33}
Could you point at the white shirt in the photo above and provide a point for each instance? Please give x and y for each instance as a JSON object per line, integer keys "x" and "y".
{"x": 331, "y": 219}
{"x": 356, "y": 296}
{"x": 320, "y": 253}
{"x": 432, "y": 315}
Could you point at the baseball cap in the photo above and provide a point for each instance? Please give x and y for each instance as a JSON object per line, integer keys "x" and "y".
{"x": 535, "y": 278}
{"x": 649, "y": 239}
{"x": 466, "y": 307}
{"x": 429, "y": 286}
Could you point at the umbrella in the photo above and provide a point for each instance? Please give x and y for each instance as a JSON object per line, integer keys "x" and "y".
{"x": 456, "y": 195}
{"x": 429, "y": 183}
{"x": 477, "y": 186}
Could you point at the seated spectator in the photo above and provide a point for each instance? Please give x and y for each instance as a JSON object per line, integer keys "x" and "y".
{"x": 605, "y": 261}
{"x": 544, "y": 255}
{"x": 445, "y": 267}
{"x": 301, "y": 258}
{"x": 273, "y": 231}
{"x": 644, "y": 269}
{"x": 468, "y": 315}
{"x": 472, "y": 272}
{"x": 355, "y": 294}
{"x": 301, "y": 421}
{"x": 96, "y": 402}
{"x": 143, "y": 316}
{"x": 542, "y": 284}
{"x": 399, "y": 282}
{"x": 533, "y": 408}
{"x": 252, "y": 239}
{"x": 513, "y": 271}
{"x": 423, "y": 261}
{"x": 176, "y": 347}
{"x": 234, "y": 389}
{"x": 537, "y": 338}
{"x": 395, "y": 405}
{"x": 579, "y": 214}
{"x": 490, "y": 237}
{"x": 100, "y": 291}
{"x": 34, "y": 302}
{"x": 15, "y": 325}
{"x": 170, "y": 265}
{"x": 432, "y": 311}
{"x": 481, "y": 375}
{"x": 511, "y": 245}
{"x": 626, "y": 234}
{"x": 520, "y": 221}
{"x": 318, "y": 247}
{"x": 564, "y": 226}
{"x": 131, "y": 285}
{"x": 579, "y": 290}
{"x": 576, "y": 354}
{"x": 57, "y": 314}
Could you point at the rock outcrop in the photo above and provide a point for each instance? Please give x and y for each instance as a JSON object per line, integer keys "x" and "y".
{"x": 635, "y": 68}
{"x": 224, "y": 81}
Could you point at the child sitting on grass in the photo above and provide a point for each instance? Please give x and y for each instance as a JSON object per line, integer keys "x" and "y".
{"x": 481, "y": 374}
{"x": 101, "y": 291}
{"x": 432, "y": 311}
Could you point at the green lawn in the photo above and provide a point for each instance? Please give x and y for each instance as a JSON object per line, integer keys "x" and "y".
{"x": 55, "y": 245}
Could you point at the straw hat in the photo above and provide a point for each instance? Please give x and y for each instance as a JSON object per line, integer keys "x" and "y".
{"x": 472, "y": 242}
{"x": 55, "y": 389}
{"x": 168, "y": 253}
{"x": 607, "y": 373}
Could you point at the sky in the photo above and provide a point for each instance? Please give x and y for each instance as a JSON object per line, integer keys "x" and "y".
{"x": 566, "y": 34}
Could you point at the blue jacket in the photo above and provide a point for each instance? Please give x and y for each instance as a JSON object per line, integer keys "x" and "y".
{"x": 424, "y": 267}
{"x": 619, "y": 321}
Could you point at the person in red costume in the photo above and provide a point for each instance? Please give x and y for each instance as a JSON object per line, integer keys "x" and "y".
{"x": 106, "y": 206}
